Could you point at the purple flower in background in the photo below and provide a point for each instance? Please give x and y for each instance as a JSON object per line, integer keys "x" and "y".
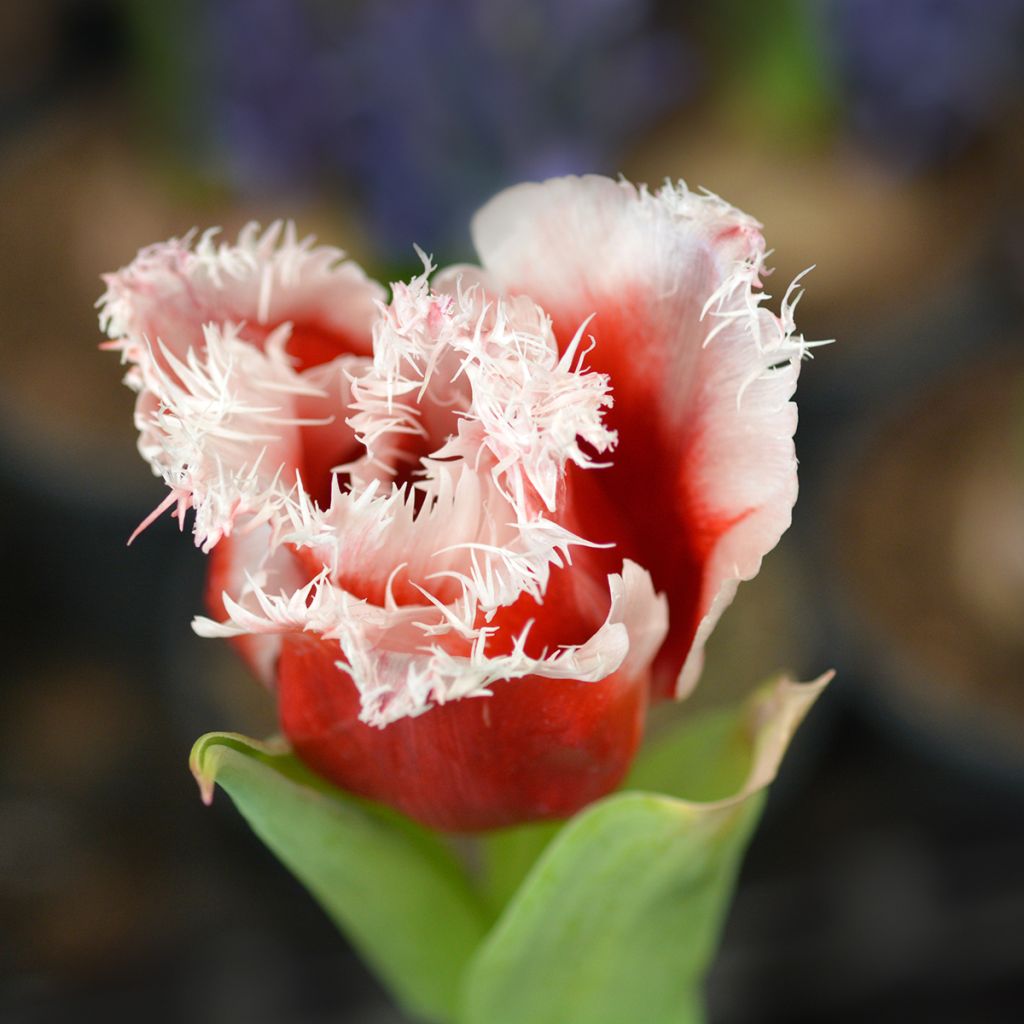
{"x": 424, "y": 109}
{"x": 924, "y": 77}
{"x": 263, "y": 92}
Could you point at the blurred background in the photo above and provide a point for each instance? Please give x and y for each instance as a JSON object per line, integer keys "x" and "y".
{"x": 878, "y": 139}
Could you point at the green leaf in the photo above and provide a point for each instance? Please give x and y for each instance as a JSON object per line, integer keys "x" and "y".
{"x": 506, "y": 857}
{"x": 393, "y": 887}
{"x": 703, "y": 758}
{"x": 620, "y": 916}
{"x": 711, "y": 756}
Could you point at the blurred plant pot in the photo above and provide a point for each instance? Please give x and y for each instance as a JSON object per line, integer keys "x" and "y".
{"x": 924, "y": 537}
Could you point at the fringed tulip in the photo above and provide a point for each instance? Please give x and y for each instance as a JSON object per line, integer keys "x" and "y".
{"x": 468, "y": 534}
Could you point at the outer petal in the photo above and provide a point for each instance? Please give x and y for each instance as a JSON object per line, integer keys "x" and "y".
{"x": 538, "y": 746}
{"x": 239, "y": 353}
{"x": 704, "y": 476}
{"x": 264, "y": 279}
{"x": 220, "y": 427}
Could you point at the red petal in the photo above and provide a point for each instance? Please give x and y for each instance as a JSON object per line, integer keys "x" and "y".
{"x": 228, "y": 564}
{"x": 313, "y": 345}
{"x": 702, "y": 483}
{"x": 222, "y": 575}
{"x": 536, "y": 749}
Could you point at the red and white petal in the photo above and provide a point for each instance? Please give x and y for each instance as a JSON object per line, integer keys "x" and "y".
{"x": 241, "y": 565}
{"x": 704, "y": 476}
{"x": 259, "y": 282}
{"x": 531, "y": 738}
{"x": 406, "y": 659}
{"x": 220, "y": 427}
{"x": 479, "y": 390}
{"x": 460, "y": 366}
{"x": 328, "y": 441}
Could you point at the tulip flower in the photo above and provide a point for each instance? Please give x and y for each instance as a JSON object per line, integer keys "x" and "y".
{"x": 467, "y": 533}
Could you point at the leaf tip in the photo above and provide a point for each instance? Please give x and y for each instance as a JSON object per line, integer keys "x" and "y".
{"x": 204, "y": 768}
{"x": 775, "y": 713}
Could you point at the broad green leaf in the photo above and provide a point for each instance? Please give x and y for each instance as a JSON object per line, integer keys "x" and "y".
{"x": 619, "y": 917}
{"x": 700, "y": 757}
{"x": 704, "y": 757}
{"x": 393, "y": 887}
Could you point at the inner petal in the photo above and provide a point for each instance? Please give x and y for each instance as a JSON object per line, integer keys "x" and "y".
{"x": 310, "y": 344}
{"x": 327, "y": 439}
{"x": 457, "y": 505}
